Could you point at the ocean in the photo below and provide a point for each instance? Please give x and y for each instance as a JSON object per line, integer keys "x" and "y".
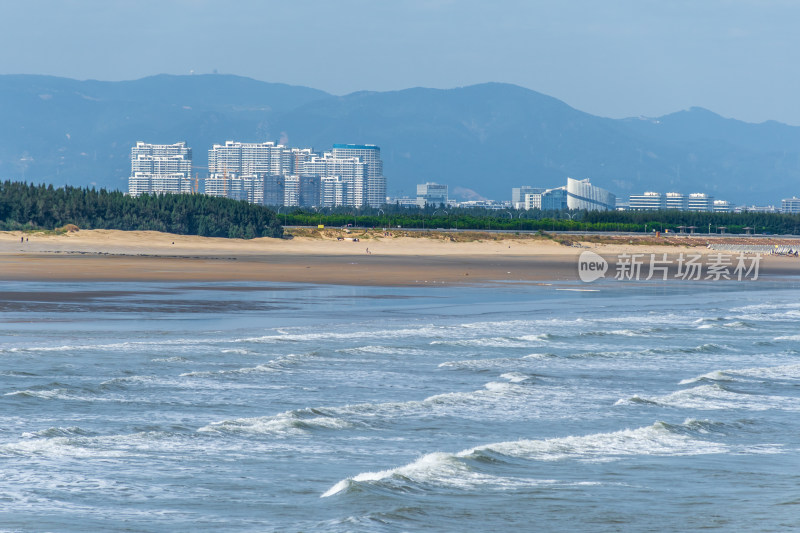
{"x": 631, "y": 406}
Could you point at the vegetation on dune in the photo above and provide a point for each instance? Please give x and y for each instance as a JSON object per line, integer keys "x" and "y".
{"x": 43, "y": 207}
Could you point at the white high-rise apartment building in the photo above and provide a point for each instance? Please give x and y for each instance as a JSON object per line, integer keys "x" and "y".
{"x": 160, "y": 168}
{"x": 375, "y": 185}
{"x": 291, "y": 191}
{"x": 351, "y": 171}
{"x": 332, "y": 191}
{"x": 249, "y": 159}
{"x": 238, "y": 170}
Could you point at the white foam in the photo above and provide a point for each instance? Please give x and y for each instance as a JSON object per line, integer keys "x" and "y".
{"x": 768, "y": 306}
{"x": 382, "y": 350}
{"x": 452, "y": 469}
{"x": 481, "y": 364}
{"x": 738, "y": 324}
{"x": 504, "y": 388}
{"x": 628, "y": 333}
{"x": 537, "y": 337}
{"x": 715, "y": 397}
{"x": 283, "y": 424}
{"x": 424, "y": 331}
{"x": 497, "y": 342}
{"x": 275, "y": 365}
{"x": 788, "y": 338}
{"x": 266, "y": 367}
{"x": 651, "y": 440}
{"x": 58, "y": 394}
{"x": 496, "y": 400}
{"x": 782, "y": 372}
{"x": 176, "y": 359}
{"x": 538, "y": 356}
{"x": 72, "y": 431}
{"x": 717, "y": 375}
{"x": 515, "y": 377}
{"x": 57, "y": 447}
{"x": 113, "y": 346}
{"x": 437, "y": 468}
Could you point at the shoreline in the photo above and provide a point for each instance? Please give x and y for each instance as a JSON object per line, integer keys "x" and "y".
{"x": 111, "y": 255}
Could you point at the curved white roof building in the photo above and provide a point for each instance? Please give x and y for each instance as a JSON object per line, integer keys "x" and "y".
{"x": 583, "y": 195}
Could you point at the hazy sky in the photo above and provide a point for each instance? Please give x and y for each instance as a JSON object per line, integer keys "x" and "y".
{"x": 738, "y": 58}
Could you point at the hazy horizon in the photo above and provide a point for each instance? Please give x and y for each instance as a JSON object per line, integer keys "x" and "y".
{"x": 390, "y": 90}
{"x": 620, "y": 59}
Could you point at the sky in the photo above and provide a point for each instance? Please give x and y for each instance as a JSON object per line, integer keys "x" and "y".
{"x": 613, "y": 58}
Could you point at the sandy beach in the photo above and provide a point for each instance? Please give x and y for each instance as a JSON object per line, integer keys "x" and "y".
{"x": 331, "y": 256}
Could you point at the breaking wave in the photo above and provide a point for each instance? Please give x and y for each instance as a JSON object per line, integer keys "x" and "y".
{"x": 460, "y": 470}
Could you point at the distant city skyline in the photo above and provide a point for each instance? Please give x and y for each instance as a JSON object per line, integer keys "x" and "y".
{"x": 615, "y": 59}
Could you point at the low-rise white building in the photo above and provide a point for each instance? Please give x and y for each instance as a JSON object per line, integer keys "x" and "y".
{"x": 433, "y": 194}
{"x": 790, "y": 205}
{"x": 656, "y": 201}
{"x": 547, "y": 200}
{"x": 723, "y": 206}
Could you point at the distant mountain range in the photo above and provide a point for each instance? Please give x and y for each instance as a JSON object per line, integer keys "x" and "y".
{"x": 481, "y": 140}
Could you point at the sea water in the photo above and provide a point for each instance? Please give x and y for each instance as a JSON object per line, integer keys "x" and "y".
{"x": 275, "y": 407}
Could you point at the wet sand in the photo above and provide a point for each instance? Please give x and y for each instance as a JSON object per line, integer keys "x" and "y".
{"x": 336, "y": 269}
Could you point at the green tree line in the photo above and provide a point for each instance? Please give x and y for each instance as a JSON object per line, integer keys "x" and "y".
{"x": 535, "y": 219}
{"x": 27, "y": 206}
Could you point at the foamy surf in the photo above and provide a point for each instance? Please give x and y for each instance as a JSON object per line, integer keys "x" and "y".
{"x": 716, "y": 397}
{"x": 275, "y": 365}
{"x": 717, "y": 375}
{"x": 454, "y": 469}
{"x": 526, "y": 341}
{"x": 526, "y": 428}
{"x": 440, "y": 469}
{"x": 774, "y": 373}
{"x": 290, "y": 423}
